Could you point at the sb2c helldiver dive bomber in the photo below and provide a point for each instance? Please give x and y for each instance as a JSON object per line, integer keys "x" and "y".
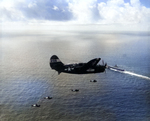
{"x": 78, "y": 68}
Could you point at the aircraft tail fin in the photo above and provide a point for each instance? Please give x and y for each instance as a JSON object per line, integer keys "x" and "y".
{"x": 56, "y": 64}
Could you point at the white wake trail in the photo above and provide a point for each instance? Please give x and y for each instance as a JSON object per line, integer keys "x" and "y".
{"x": 138, "y": 75}
{"x": 131, "y": 73}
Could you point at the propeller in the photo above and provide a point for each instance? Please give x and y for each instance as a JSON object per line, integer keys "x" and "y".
{"x": 104, "y": 64}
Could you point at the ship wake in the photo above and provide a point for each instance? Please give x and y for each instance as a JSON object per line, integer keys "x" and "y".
{"x": 131, "y": 73}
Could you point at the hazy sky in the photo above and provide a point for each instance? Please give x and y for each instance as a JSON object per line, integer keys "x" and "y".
{"x": 103, "y": 12}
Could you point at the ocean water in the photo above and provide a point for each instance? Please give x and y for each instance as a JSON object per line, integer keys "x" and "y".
{"x": 26, "y": 78}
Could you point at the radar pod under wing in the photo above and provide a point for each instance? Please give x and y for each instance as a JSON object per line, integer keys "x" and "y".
{"x": 78, "y": 68}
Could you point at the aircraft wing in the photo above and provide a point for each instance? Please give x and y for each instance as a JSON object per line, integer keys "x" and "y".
{"x": 93, "y": 63}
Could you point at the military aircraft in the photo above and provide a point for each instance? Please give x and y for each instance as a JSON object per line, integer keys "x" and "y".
{"x": 78, "y": 68}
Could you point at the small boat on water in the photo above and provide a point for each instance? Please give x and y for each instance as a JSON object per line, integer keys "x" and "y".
{"x": 93, "y": 81}
{"x": 47, "y": 97}
{"x": 75, "y": 90}
{"x": 35, "y": 105}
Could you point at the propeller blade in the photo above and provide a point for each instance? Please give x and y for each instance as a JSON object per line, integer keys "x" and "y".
{"x": 103, "y": 62}
{"x": 105, "y": 67}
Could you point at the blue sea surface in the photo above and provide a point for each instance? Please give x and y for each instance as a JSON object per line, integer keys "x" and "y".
{"x": 26, "y": 78}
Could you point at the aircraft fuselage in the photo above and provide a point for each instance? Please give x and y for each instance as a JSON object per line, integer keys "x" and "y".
{"x": 78, "y": 68}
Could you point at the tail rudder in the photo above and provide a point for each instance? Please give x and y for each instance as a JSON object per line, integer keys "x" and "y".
{"x": 56, "y": 64}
